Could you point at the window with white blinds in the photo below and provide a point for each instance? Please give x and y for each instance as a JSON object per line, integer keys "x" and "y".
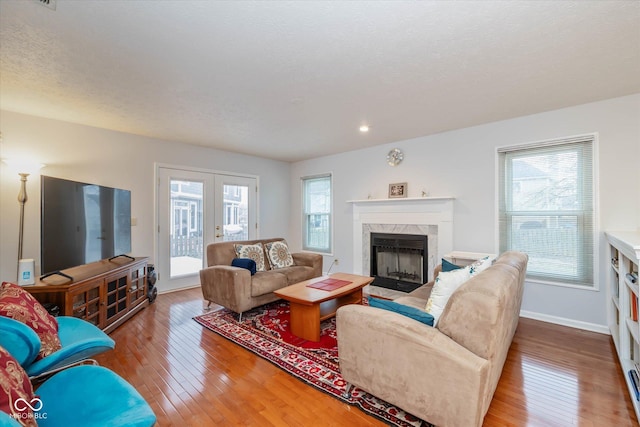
{"x": 316, "y": 211}
{"x": 546, "y": 208}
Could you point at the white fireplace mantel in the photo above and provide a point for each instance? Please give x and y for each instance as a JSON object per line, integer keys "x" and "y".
{"x": 404, "y": 214}
{"x": 401, "y": 200}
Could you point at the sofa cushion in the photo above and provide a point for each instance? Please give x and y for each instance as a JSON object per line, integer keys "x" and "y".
{"x": 412, "y": 301}
{"x": 278, "y": 254}
{"x": 255, "y": 252}
{"x": 246, "y": 263}
{"x": 405, "y": 310}
{"x": 297, "y": 273}
{"x": 20, "y": 305}
{"x": 264, "y": 282}
{"x": 423, "y": 293}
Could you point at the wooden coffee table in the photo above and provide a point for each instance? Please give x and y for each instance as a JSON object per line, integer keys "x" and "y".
{"x": 310, "y": 306}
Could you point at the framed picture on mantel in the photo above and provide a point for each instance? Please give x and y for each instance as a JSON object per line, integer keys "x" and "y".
{"x": 398, "y": 190}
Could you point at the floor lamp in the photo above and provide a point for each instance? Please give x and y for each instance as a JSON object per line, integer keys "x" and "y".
{"x": 24, "y": 170}
{"x": 22, "y": 199}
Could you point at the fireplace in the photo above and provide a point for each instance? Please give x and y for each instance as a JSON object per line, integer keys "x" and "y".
{"x": 425, "y": 216}
{"x": 399, "y": 261}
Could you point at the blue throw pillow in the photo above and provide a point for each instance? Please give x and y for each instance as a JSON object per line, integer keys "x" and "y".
{"x": 448, "y": 266}
{"x": 412, "y": 312}
{"x": 247, "y": 263}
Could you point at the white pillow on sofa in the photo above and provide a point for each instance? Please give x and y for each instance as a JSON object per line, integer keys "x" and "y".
{"x": 447, "y": 283}
{"x": 480, "y": 265}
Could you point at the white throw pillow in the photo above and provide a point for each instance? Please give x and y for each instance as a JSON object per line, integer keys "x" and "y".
{"x": 448, "y": 282}
{"x": 480, "y": 265}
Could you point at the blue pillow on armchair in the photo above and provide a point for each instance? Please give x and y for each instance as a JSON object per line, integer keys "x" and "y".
{"x": 405, "y": 310}
{"x": 247, "y": 263}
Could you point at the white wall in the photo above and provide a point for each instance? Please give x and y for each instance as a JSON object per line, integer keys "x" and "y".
{"x": 462, "y": 163}
{"x": 120, "y": 160}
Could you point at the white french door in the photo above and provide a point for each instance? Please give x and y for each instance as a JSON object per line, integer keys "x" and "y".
{"x": 236, "y": 199}
{"x": 196, "y": 208}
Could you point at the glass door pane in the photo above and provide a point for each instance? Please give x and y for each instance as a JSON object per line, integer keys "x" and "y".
{"x": 236, "y": 201}
{"x": 186, "y": 218}
{"x": 186, "y": 228}
{"x": 235, "y": 212}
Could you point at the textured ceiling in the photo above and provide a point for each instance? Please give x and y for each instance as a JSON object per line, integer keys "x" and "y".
{"x": 295, "y": 80}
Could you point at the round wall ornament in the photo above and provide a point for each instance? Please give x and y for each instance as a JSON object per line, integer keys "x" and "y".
{"x": 394, "y": 157}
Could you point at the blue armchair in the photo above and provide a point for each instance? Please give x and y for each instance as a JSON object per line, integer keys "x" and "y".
{"x": 87, "y": 396}
{"x": 80, "y": 340}
{"x": 78, "y": 396}
{"x": 7, "y": 421}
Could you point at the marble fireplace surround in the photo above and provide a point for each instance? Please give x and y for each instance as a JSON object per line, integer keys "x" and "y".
{"x": 431, "y": 216}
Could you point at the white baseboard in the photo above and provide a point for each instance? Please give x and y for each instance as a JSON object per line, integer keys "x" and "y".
{"x": 593, "y": 327}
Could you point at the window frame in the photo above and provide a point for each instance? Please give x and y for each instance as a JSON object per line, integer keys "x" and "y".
{"x": 504, "y": 218}
{"x": 305, "y": 215}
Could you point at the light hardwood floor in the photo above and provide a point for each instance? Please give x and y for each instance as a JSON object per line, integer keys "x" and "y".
{"x": 553, "y": 376}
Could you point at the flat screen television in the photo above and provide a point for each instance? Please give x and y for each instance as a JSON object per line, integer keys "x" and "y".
{"x": 82, "y": 223}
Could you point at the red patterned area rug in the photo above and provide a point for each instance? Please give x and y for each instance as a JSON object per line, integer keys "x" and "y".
{"x": 265, "y": 331}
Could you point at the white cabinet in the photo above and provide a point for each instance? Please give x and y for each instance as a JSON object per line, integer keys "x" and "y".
{"x": 622, "y": 303}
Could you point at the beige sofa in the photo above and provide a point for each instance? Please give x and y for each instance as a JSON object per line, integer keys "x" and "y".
{"x": 236, "y": 289}
{"x": 447, "y": 374}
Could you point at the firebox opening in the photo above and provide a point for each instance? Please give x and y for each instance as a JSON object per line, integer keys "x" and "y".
{"x": 399, "y": 261}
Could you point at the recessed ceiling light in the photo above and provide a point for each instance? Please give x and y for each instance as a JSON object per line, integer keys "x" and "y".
{"x": 364, "y": 128}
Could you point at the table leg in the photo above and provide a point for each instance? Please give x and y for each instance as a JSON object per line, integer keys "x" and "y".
{"x": 305, "y": 321}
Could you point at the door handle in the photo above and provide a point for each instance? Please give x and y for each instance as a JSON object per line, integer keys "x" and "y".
{"x": 218, "y": 235}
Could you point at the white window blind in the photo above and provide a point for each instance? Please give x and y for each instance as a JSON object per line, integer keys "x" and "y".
{"x": 316, "y": 223}
{"x": 546, "y": 208}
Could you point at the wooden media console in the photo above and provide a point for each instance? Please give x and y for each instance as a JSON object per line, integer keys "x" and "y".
{"x": 105, "y": 293}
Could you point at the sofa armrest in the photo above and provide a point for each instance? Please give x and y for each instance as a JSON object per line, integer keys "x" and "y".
{"x": 411, "y": 365}
{"x": 228, "y": 286}
{"x": 309, "y": 260}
